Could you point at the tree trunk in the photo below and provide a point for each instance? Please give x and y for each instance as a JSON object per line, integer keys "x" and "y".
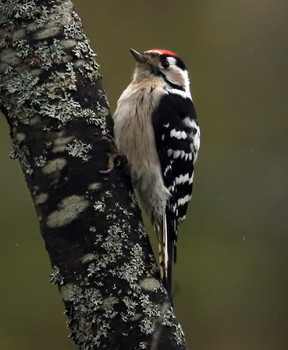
{"x": 62, "y": 134}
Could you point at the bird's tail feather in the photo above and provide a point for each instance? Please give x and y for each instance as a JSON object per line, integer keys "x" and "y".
{"x": 166, "y": 248}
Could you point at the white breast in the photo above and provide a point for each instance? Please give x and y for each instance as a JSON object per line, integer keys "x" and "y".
{"x": 134, "y": 137}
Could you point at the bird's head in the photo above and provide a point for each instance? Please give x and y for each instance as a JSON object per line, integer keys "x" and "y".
{"x": 164, "y": 64}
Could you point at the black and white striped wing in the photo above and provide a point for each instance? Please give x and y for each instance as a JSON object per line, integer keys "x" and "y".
{"x": 177, "y": 138}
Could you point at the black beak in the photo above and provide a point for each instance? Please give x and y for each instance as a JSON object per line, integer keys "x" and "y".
{"x": 139, "y": 57}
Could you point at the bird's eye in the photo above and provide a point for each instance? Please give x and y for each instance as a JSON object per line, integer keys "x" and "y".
{"x": 165, "y": 64}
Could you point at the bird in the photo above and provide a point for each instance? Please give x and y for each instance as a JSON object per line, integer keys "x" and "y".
{"x": 156, "y": 129}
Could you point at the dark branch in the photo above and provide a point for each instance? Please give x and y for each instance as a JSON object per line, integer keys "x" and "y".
{"x": 61, "y": 129}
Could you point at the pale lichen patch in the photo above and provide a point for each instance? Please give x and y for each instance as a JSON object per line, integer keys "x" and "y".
{"x": 99, "y": 119}
{"x": 61, "y": 81}
{"x": 40, "y": 161}
{"x": 53, "y": 17}
{"x": 144, "y": 345}
{"x": 83, "y": 50}
{"x": 88, "y": 258}
{"x": 72, "y": 26}
{"x": 94, "y": 186}
{"x": 61, "y": 111}
{"x": 60, "y": 143}
{"x": 5, "y": 68}
{"x": 48, "y": 55}
{"x": 65, "y": 109}
{"x": 56, "y": 277}
{"x": 99, "y": 206}
{"x": 10, "y": 56}
{"x": 69, "y": 209}
{"x": 22, "y": 84}
{"x": 35, "y": 120}
{"x": 79, "y": 63}
{"x": 131, "y": 306}
{"x": 134, "y": 269}
{"x": 147, "y": 326}
{"x": 20, "y": 136}
{"x": 110, "y": 301}
{"x": 67, "y": 291}
{"x": 41, "y": 198}
{"x": 54, "y": 165}
{"x": 136, "y": 317}
{"x": 32, "y": 27}
{"x": 150, "y": 284}
{"x": 179, "y": 334}
{"x": 23, "y": 153}
{"x": 48, "y": 32}
{"x": 68, "y": 43}
{"x": 15, "y": 9}
{"x": 19, "y": 34}
{"x": 64, "y": 9}
{"x": 79, "y": 149}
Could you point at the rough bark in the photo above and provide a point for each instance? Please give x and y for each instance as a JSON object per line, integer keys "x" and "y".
{"x": 61, "y": 129}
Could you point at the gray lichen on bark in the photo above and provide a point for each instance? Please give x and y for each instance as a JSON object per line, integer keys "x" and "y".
{"x": 61, "y": 130}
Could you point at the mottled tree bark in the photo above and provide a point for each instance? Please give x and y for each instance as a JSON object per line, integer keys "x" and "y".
{"x": 61, "y": 129}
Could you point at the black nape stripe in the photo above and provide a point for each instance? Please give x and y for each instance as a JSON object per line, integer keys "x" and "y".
{"x": 160, "y": 74}
{"x": 174, "y": 86}
{"x": 180, "y": 63}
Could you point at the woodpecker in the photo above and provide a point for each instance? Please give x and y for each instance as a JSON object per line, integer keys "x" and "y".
{"x": 156, "y": 128}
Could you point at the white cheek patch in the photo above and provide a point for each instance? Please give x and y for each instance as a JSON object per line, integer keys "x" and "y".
{"x": 177, "y": 76}
{"x": 171, "y": 61}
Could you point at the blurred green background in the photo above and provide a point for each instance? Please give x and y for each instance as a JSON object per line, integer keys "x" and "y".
{"x": 231, "y": 276}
